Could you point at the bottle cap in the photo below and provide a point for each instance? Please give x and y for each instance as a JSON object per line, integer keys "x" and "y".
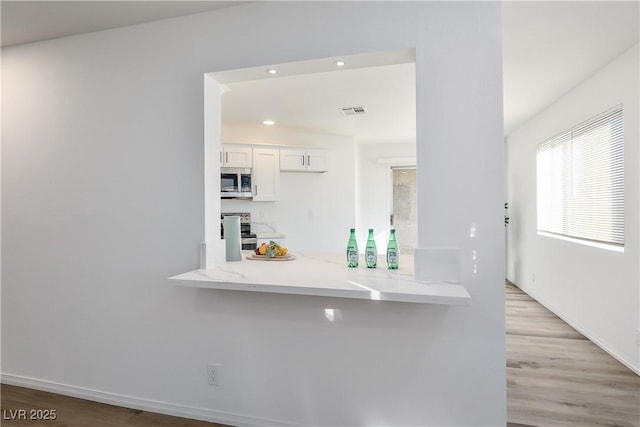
{"x": 352, "y": 229}
{"x": 371, "y": 230}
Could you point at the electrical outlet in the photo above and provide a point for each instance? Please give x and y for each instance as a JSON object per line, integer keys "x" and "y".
{"x": 213, "y": 374}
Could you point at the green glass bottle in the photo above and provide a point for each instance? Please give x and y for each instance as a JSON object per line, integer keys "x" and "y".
{"x": 370, "y": 251}
{"x": 392, "y": 251}
{"x": 352, "y": 250}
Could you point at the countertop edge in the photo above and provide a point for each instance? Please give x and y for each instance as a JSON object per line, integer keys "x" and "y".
{"x": 445, "y": 293}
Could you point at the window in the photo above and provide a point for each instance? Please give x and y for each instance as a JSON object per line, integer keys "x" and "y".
{"x": 580, "y": 181}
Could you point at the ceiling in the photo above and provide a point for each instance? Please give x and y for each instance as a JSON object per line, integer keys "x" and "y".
{"x": 549, "y": 48}
{"x": 31, "y": 21}
{"x": 314, "y": 102}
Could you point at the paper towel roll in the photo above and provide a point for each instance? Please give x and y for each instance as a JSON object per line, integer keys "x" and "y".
{"x": 232, "y": 238}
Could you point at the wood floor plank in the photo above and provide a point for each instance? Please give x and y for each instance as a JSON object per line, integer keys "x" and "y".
{"x": 556, "y": 377}
{"x": 73, "y": 412}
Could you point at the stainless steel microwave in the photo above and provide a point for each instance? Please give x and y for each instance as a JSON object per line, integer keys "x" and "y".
{"x": 235, "y": 183}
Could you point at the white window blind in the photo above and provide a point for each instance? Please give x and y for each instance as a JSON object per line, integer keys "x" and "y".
{"x": 580, "y": 178}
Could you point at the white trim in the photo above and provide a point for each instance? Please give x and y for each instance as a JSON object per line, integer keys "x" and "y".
{"x": 212, "y": 147}
{"x": 141, "y": 404}
{"x": 607, "y": 246}
{"x": 584, "y": 332}
{"x": 397, "y": 161}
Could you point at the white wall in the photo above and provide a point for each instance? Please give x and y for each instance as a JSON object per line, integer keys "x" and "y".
{"x": 594, "y": 290}
{"x": 315, "y": 210}
{"x": 102, "y": 200}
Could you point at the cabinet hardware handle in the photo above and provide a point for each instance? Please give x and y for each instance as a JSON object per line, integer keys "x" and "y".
{"x": 256, "y": 189}
{"x": 226, "y": 158}
{"x": 308, "y": 160}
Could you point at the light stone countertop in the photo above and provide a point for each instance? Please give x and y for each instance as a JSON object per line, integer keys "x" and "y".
{"x": 326, "y": 275}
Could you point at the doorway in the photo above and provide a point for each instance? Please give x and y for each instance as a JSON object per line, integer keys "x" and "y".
{"x": 404, "y": 207}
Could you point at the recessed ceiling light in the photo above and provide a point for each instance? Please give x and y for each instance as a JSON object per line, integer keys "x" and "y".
{"x": 339, "y": 63}
{"x": 272, "y": 71}
{"x": 269, "y": 122}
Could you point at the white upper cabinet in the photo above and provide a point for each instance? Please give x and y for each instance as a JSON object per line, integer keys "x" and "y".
{"x": 316, "y": 160}
{"x": 236, "y": 156}
{"x": 292, "y": 159}
{"x": 265, "y": 176}
{"x": 303, "y": 160}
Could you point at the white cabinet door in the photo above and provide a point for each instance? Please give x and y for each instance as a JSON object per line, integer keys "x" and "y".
{"x": 316, "y": 160}
{"x": 293, "y": 159}
{"x": 265, "y": 176}
{"x": 303, "y": 160}
{"x": 236, "y": 156}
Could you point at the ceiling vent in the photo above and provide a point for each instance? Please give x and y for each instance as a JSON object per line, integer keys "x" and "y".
{"x": 353, "y": 111}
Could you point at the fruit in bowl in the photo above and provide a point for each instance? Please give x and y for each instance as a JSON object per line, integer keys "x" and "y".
{"x": 271, "y": 250}
{"x": 262, "y": 249}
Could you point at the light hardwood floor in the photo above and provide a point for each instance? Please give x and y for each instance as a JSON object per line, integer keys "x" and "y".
{"x": 72, "y": 412}
{"x": 555, "y": 377}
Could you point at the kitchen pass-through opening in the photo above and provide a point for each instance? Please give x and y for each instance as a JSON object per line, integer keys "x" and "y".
{"x": 389, "y": 104}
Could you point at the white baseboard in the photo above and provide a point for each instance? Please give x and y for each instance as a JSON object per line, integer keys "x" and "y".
{"x": 141, "y": 404}
{"x": 584, "y": 332}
